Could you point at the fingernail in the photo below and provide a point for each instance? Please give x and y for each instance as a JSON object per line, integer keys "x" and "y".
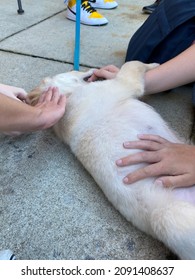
{"x": 140, "y": 136}
{"x": 125, "y": 180}
{"x": 126, "y": 144}
{"x": 159, "y": 183}
{"x": 119, "y": 162}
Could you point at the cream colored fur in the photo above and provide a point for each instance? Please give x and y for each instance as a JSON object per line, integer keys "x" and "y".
{"x": 99, "y": 117}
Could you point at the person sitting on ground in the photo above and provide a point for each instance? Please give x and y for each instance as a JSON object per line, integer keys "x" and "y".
{"x": 150, "y": 9}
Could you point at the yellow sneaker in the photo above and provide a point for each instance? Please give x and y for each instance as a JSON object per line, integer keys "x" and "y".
{"x": 88, "y": 16}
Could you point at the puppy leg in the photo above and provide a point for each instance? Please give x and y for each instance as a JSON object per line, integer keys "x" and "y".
{"x": 132, "y": 75}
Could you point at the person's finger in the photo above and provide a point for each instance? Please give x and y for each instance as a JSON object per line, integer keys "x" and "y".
{"x": 153, "y": 137}
{"x": 42, "y": 97}
{"x": 142, "y": 157}
{"x": 22, "y": 96}
{"x": 62, "y": 100}
{"x": 61, "y": 105}
{"x": 152, "y": 170}
{"x": 103, "y": 73}
{"x": 111, "y": 68}
{"x": 48, "y": 95}
{"x": 174, "y": 181}
{"x": 45, "y": 96}
{"x": 106, "y": 72}
{"x": 93, "y": 78}
{"x": 55, "y": 95}
{"x": 142, "y": 145}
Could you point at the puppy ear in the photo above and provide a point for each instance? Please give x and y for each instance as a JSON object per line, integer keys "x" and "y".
{"x": 33, "y": 96}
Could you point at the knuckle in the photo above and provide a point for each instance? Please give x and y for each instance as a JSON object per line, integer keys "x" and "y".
{"x": 145, "y": 156}
{"x": 146, "y": 172}
{"x": 168, "y": 182}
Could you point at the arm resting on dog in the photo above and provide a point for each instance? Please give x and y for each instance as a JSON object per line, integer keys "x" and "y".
{"x": 173, "y": 73}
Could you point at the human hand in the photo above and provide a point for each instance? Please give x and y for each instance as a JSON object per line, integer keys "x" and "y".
{"x": 13, "y": 92}
{"x": 18, "y": 117}
{"x": 107, "y": 72}
{"x": 52, "y": 105}
{"x": 172, "y": 163}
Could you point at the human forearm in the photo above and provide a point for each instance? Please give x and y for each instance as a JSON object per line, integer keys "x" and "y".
{"x": 13, "y": 92}
{"x": 18, "y": 116}
{"x": 173, "y": 73}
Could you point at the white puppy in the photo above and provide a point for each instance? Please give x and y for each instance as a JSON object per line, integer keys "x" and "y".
{"x": 99, "y": 117}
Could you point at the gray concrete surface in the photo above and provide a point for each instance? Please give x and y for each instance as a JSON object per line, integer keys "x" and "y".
{"x": 50, "y": 207}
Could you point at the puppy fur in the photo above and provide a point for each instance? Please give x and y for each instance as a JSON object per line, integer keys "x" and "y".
{"x": 99, "y": 117}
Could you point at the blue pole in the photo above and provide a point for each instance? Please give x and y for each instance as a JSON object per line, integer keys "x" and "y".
{"x": 77, "y": 36}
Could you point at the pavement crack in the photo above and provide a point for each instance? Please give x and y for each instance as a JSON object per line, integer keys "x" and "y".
{"x": 46, "y": 58}
{"x": 32, "y": 25}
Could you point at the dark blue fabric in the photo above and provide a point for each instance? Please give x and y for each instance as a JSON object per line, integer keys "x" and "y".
{"x": 168, "y": 31}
